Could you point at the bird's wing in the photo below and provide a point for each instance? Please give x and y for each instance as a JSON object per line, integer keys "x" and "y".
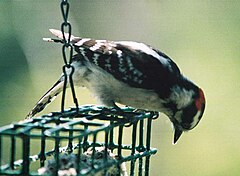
{"x": 133, "y": 63}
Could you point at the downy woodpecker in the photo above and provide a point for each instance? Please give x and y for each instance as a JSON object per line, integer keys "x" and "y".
{"x": 132, "y": 74}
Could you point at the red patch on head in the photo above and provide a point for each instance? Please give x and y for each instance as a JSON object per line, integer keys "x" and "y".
{"x": 200, "y": 101}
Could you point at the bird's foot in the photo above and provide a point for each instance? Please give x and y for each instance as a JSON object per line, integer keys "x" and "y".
{"x": 129, "y": 117}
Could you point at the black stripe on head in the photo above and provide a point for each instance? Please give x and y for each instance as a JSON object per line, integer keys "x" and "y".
{"x": 188, "y": 113}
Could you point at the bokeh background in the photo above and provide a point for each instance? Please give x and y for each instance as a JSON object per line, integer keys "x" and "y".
{"x": 202, "y": 37}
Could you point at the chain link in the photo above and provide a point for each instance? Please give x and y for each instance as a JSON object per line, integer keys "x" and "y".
{"x": 68, "y": 69}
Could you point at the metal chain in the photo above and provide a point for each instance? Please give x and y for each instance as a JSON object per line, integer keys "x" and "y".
{"x": 68, "y": 69}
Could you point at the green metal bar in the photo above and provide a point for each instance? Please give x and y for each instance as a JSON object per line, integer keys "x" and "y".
{"x": 64, "y": 91}
{"x": 79, "y": 155}
{"x": 94, "y": 145}
{"x": 140, "y": 147}
{"x": 141, "y": 129}
{"x": 134, "y": 132}
{"x": 120, "y": 135}
{"x": 43, "y": 147}
{"x": 70, "y": 140}
{"x": 147, "y": 162}
{"x": 6, "y": 128}
{"x": 149, "y": 128}
{"x": 111, "y": 142}
{"x": 140, "y": 165}
{"x": 57, "y": 145}
{"x": 26, "y": 151}
{"x": 13, "y": 151}
{"x": 1, "y": 138}
{"x": 138, "y": 155}
{"x": 106, "y": 150}
{"x": 85, "y": 141}
{"x": 11, "y": 172}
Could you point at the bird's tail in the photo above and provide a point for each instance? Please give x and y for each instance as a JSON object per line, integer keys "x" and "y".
{"x": 51, "y": 94}
{"x": 47, "y": 98}
{"x": 59, "y": 35}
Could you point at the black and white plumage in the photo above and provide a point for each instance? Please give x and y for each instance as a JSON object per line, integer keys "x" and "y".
{"x": 133, "y": 74}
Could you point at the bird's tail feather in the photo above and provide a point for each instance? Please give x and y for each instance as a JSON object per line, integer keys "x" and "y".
{"x": 51, "y": 94}
{"x": 48, "y": 97}
{"x": 59, "y": 35}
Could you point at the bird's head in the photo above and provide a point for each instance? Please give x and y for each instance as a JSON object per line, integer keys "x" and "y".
{"x": 188, "y": 116}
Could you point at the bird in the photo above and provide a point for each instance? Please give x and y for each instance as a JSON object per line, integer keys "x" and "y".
{"x": 133, "y": 74}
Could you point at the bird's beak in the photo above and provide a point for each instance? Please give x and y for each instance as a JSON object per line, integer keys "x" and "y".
{"x": 177, "y": 134}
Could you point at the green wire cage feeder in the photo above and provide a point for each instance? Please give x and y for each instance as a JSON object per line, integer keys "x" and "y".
{"x": 50, "y": 136}
{"x": 85, "y": 140}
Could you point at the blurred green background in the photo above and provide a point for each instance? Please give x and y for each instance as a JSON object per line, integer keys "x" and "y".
{"x": 202, "y": 37}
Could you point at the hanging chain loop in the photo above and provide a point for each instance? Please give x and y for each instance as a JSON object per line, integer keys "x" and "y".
{"x": 67, "y": 47}
{"x": 65, "y": 10}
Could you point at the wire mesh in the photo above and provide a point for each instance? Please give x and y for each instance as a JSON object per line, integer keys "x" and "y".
{"x": 85, "y": 140}
{"x": 52, "y": 135}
